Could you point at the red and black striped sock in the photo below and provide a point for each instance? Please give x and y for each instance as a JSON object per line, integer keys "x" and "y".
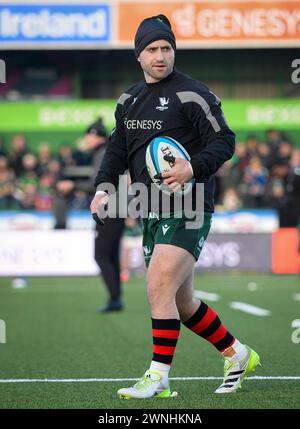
{"x": 206, "y": 323}
{"x": 165, "y": 333}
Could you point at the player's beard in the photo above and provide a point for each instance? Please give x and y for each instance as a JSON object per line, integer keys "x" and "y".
{"x": 157, "y": 72}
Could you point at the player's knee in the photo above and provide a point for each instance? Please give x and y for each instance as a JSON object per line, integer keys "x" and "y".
{"x": 160, "y": 276}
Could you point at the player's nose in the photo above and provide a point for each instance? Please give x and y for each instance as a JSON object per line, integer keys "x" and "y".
{"x": 159, "y": 55}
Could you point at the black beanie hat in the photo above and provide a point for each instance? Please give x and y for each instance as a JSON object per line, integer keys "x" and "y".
{"x": 97, "y": 128}
{"x": 151, "y": 29}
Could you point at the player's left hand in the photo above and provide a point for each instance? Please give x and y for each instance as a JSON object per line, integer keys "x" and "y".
{"x": 180, "y": 173}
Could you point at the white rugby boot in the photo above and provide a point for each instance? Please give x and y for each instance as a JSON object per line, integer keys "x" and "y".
{"x": 236, "y": 371}
{"x": 148, "y": 386}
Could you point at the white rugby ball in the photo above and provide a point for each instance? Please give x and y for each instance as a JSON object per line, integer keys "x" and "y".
{"x": 156, "y": 150}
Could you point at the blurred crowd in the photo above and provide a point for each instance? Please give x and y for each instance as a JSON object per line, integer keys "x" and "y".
{"x": 32, "y": 181}
{"x": 260, "y": 175}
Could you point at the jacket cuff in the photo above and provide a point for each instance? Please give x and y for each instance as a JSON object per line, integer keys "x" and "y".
{"x": 198, "y": 167}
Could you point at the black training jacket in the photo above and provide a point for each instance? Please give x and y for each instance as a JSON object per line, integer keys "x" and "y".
{"x": 178, "y": 107}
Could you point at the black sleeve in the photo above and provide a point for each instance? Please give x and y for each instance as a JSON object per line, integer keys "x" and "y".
{"x": 114, "y": 161}
{"x": 205, "y": 113}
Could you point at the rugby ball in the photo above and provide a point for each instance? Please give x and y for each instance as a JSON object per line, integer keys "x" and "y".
{"x": 155, "y": 162}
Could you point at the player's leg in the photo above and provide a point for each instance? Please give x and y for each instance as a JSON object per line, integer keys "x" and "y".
{"x": 169, "y": 268}
{"x": 201, "y": 319}
{"x": 186, "y": 303}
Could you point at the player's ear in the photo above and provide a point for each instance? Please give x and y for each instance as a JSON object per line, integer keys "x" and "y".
{"x": 138, "y": 58}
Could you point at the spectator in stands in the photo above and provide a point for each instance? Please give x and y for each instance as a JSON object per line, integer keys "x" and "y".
{"x": 3, "y": 151}
{"x": 293, "y": 188}
{"x": 289, "y": 209}
{"x": 16, "y": 154}
{"x": 264, "y": 153}
{"x": 274, "y": 139}
{"x": 29, "y": 166}
{"x": 63, "y": 196}
{"x": 28, "y": 182}
{"x": 7, "y": 186}
{"x": 94, "y": 142}
{"x": 252, "y": 145}
{"x": 283, "y": 191}
{"x": 284, "y": 153}
{"x": 242, "y": 156}
{"x": 66, "y": 156}
{"x": 231, "y": 200}
{"x": 46, "y": 189}
{"x": 229, "y": 175}
{"x": 72, "y": 193}
{"x": 256, "y": 177}
{"x": 54, "y": 168}
{"x": 44, "y": 157}
{"x": 80, "y": 200}
{"x": 45, "y": 192}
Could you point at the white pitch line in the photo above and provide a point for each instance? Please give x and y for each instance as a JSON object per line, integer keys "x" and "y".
{"x": 208, "y": 296}
{"x": 101, "y": 380}
{"x": 296, "y": 296}
{"x": 248, "y": 308}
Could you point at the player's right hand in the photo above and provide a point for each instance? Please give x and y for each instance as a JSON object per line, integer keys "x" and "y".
{"x": 99, "y": 199}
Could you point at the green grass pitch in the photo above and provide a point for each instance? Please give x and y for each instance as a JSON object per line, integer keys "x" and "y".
{"x": 53, "y": 332}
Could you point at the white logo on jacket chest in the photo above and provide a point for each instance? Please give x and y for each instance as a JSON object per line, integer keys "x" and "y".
{"x": 163, "y": 104}
{"x": 165, "y": 228}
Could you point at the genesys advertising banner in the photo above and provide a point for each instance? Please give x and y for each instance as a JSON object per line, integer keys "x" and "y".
{"x": 59, "y": 115}
{"x": 219, "y": 23}
{"x": 53, "y": 24}
{"x": 76, "y": 115}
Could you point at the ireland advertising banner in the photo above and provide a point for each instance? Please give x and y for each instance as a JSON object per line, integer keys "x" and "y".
{"x": 30, "y": 25}
{"x": 66, "y": 116}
